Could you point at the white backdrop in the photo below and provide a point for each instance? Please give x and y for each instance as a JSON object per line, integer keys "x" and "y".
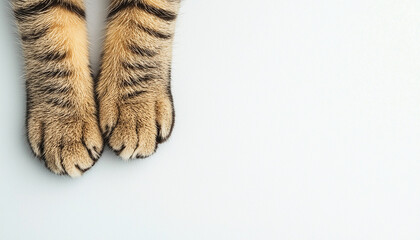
{"x": 296, "y": 119}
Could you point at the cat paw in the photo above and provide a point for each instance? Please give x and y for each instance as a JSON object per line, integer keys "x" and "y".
{"x": 68, "y": 145}
{"x": 137, "y": 122}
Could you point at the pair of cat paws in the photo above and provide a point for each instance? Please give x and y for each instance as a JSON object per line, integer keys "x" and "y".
{"x": 69, "y": 137}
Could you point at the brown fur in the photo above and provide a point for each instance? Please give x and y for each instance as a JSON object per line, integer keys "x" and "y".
{"x": 135, "y": 102}
{"x": 133, "y": 88}
{"x": 61, "y": 123}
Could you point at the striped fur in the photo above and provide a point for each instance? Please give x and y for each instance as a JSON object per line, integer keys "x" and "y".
{"x": 133, "y": 94}
{"x": 61, "y": 113}
{"x": 133, "y": 88}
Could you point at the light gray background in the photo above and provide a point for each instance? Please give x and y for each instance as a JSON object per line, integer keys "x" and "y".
{"x": 296, "y": 119}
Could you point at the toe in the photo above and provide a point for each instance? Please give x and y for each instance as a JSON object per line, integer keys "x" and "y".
{"x": 92, "y": 139}
{"x": 147, "y": 132}
{"x": 52, "y": 151}
{"x": 109, "y": 116}
{"x": 124, "y": 138}
{"x": 76, "y": 159}
{"x": 35, "y": 133}
{"x": 165, "y": 117}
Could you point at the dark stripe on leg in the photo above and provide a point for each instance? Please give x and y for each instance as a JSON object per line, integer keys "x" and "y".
{"x": 157, "y": 12}
{"x": 49, "y": 56}
{"x": 131, "y": 82}
{"x": 44, "y": 6}
{"x": 61, "y": 90}
{"x": 57, "y": 73}
{"x": 60, "y": 103}
{"x": 31, "y": 37}
{"x": 133, "y": 94}
{"x": 160, "y": 13}
{"x": 53, "y": 56}
{"x": 154, "y": 33}
{"x": 142, "y": 51}
{"x": 136, "y": 66}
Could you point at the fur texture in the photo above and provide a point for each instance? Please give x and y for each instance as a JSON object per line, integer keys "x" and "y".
{"x": 132, "y": 92}
{"x": 135, "y": 102}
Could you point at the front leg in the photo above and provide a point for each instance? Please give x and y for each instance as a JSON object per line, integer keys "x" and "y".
{"x": 61, "y": 113}
{"x": 133, "y": 88}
